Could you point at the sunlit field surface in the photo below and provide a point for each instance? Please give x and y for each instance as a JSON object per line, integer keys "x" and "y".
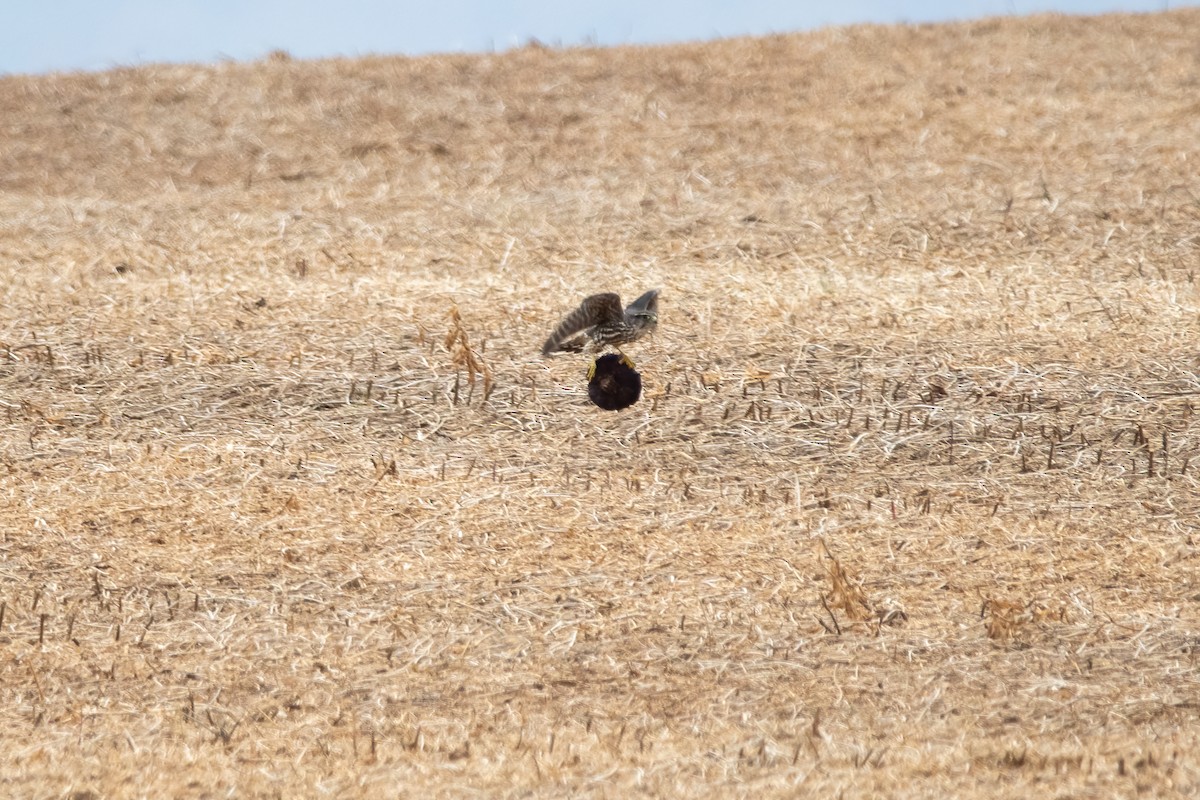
{"x": 292, "y": 506}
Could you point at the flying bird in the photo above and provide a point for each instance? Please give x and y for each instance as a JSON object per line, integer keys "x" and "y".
{"x": 601, "y": 319}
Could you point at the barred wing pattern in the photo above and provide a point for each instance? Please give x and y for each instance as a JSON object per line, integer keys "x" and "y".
{"x": 598, "y": 309}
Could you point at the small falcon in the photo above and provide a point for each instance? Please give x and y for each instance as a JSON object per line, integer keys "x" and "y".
{"x": 601, "y": 319}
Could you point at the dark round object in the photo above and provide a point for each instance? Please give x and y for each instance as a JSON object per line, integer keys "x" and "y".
{"x": 613, "y": 383}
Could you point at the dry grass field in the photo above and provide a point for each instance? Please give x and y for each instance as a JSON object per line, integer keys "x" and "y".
{"x": 291, "y": 506}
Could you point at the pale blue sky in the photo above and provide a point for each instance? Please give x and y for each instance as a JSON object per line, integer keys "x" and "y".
{"x": 98, "y": 34}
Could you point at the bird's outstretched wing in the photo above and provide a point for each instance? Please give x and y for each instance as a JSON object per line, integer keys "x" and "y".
{"x": 647, "y": 302}
{"x": 594, "y": 310}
